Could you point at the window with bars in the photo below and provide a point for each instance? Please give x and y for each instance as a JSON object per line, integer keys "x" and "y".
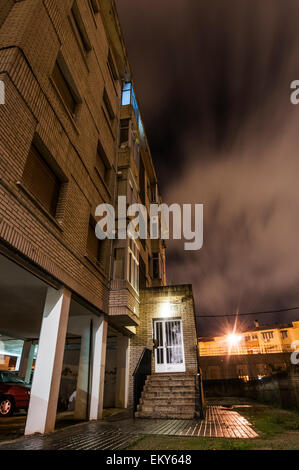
{"x": 41, "y": 180}
{"x": 267, "y": 335}
{"x": 64, "y": 87}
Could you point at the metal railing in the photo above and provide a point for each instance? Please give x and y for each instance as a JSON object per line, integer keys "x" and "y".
{"x": 143, "y": 369}
{"x": 243, "y": 350}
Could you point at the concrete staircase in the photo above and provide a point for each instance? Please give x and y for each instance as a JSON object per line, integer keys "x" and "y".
{"x": 170, "y": 396}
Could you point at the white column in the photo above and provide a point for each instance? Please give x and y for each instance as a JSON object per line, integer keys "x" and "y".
{"x": 98, "y": 367}
{"x": 82, "y": 398}
{"x": 80, "y": 326}
{"x": 26, "y": 361}
{"x": 46, "y": 380}
{"x": 122, "y": 372}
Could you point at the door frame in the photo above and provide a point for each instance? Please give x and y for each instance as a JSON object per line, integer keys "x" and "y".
{"x": 168, "y": 368}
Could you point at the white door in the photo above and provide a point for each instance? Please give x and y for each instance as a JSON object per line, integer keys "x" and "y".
{"x": 169, "y": 354}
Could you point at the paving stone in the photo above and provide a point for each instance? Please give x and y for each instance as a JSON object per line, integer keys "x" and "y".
{"x": 102, "y": 435}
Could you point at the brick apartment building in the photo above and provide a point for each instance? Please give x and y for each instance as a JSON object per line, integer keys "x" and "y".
{"x": 71, "y": 138}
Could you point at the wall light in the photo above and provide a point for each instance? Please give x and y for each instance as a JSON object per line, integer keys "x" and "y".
{"x": 165, "y": 309}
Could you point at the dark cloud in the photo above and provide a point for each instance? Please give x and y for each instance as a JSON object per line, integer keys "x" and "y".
{"x": 213, "y": 79}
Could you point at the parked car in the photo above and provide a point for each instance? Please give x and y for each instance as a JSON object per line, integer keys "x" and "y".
{"x": 14, "y": 394}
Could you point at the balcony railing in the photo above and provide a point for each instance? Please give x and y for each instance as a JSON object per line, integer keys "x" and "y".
{"x": 225, "y": 351}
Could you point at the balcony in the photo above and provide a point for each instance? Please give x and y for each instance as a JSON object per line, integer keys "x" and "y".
{"x": 123, "y": 304}
{"x": 129, "y": 98}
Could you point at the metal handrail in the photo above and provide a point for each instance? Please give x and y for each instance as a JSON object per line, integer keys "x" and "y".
{"x": 142, "y": 370}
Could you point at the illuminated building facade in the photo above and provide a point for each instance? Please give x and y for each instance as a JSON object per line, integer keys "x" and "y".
{"x": 249, "y": 354}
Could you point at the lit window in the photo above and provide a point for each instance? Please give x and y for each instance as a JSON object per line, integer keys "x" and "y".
{"x": 126, "y": 95}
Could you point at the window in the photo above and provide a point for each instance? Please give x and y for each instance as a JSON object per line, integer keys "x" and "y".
{"x": 154, "y": 193}
{"x": 142, "y": 274}
{"x": 93, "y": 243}
{"x": 133, "y": 264}
{"x": 247, "y": 338}
{"x": 5, "y": 10}
{"x": 41, "y": 180}
{"x": 64, "y": 88}
{"x": 111, "y": 67}
{"x": 157, "y": 266}
{"x": 80, "y": 28}
{"x": 102, "y": 164}
{"x": 284, "y": 334}
{"x": 267, "y": 335}
{"x": 108, "y": 106}
{"x": 94, "y": 5}
{"x": 119, "y": 258}
{"x": 142, "y": 181}
{"x": 124, "y": 131}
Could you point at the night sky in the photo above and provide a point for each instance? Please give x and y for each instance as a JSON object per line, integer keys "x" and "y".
{"x": 213, "y": 81}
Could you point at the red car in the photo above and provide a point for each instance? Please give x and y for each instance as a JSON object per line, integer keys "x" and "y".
{"x": 14, "y": 393}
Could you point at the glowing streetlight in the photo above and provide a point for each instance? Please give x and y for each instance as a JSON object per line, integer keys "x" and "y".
{"x": 234, "y": 339}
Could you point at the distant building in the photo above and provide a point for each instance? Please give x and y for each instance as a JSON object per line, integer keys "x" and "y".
{"x": 248, "y": 354}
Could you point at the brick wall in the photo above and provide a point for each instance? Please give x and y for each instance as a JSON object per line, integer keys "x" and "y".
{"x": 33, "y": 34}
{"x": 181, "y": 298}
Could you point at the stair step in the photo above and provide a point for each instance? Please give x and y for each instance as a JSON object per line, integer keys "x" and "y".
{"x": 168, "y": 401}
{"x": 173, "y": 380}
{"x": 174, "y": 395}
{"x": 170, "y": 389}
{"x": 160, "y": 415}
{"x": 166, "y": 408}
{"x": 169, "y": 396}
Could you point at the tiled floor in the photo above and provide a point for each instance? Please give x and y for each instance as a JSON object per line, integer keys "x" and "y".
{"x": 219, "y": 422}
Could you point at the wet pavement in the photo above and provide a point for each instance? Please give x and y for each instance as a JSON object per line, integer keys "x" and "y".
{"x": 115, "y": 435}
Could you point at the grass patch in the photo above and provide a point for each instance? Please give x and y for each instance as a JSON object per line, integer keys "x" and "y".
{"x": 277, "y": 429}
{"x": 270, "y": 421}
